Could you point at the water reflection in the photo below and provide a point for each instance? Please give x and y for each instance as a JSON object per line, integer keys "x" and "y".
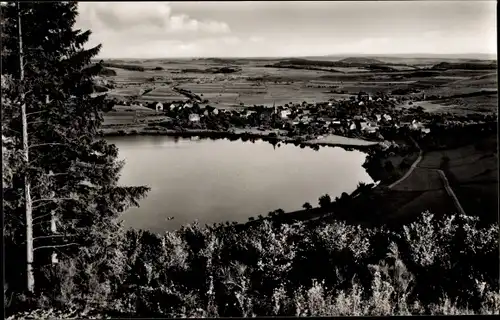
{"x": 222, "y": 180}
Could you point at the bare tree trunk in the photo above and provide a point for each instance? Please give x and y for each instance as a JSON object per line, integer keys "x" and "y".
{"x": 28, "y": 203}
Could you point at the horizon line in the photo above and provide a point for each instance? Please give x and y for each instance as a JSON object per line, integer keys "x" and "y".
{"x": 406, "y": 55}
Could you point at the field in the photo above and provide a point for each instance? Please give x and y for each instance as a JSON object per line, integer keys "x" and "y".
{"x": 260, "y": 82}
{"x": 472, "y": 172}
{"x": 473, "y": 175}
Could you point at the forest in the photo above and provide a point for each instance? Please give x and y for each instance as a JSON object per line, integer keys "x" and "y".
{"x": 67, "y": 255}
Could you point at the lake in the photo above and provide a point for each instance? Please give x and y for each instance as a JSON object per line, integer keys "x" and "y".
{"x": 220, "y": 180}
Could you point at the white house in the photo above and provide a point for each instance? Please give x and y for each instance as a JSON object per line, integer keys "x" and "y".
{"x": 159, "y": 106}
{"x": 284, "y": 114}
{"x": 416, "y": 125}
{"x": 172, "y": 106}
{"x": 193, "y": 117}
{"x": 206, "y": 113}
{"x": 248, "y": 113}
{"x": 384, "y": 144}
{"x": 387, "y": 117}
{"x": 187, "y": 105}
{"x": 379, "y": 117}
{"x": 367, "y": 126}
{"x": 352, "y": 126}
{"x": 215, "y": 111}
{"x": 361, "y": 103}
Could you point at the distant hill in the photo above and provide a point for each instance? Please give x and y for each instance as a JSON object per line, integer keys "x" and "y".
{"x": 107, "y": 72}
{"x": 360, "y": 60}
{"x": 130, "y": 67}
{"x": 484, "y": 65}
{"x": 325, "y": 65}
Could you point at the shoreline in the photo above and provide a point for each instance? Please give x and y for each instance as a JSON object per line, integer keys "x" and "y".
{"x": 241, "y": 134}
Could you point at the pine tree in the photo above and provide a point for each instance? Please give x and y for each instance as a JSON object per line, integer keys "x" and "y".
{"x": 73, "y": 171}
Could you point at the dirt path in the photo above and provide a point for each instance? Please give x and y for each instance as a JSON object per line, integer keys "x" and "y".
{"x": 450, "y": 192}
{"x": 413, "y": 166}
{"x": 442, "y": 175}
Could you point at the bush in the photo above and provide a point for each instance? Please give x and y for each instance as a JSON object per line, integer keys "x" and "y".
{"x": 446, "y": 265}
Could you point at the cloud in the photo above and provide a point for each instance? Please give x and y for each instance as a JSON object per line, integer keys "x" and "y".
{"x": 146, "y": 28}
{"x": 143, "y": 16}
{"x": 197, "y": 29}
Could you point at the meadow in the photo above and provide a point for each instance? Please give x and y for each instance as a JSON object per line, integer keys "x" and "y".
{"x": 265, "y": 81}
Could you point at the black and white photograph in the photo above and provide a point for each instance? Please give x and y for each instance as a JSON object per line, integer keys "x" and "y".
{"x": 249, "y": 159}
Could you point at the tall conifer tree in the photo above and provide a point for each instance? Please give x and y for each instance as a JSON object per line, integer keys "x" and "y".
{"x": 72, "y": 170}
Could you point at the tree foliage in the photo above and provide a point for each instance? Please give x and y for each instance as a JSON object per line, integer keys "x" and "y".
{"x": 431, "y": 266}
{"x": 73, "y": 172}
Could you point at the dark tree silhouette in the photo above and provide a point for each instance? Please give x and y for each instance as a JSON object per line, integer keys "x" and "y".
{"x": 325, "y": 201}
{"x": 307, "y": 206}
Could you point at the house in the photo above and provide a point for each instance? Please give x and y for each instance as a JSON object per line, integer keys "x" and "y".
{"x": 159, "y": 106}
{"x": 416, "y": 125}
{"x": 206, "y": 113}
{"x": 215, "y": 111}
{"x": 248, "y": 113}
{"x": 193, "y": 117}
{"x": 368, "y": 127}
{"x": 172, "y": 106}
{"x": 284, "y": 114}
{"x": 361, "y": 103}
{"x": 387, "y": 117}
{"x": 187, "y": 105}
{"x": 379, "y": 117}
{"x": 384, "y": 144}
{"x": 352, "y": 126}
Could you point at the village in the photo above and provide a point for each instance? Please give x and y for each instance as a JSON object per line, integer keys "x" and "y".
{"x": 362, "y": 116}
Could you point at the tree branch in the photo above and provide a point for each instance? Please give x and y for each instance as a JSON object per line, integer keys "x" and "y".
{"x": 35, "y": 122}
{"x": 47, "y": 144}
{"x": 52, "y": 199}
{"x": 41, "y": 217}
{"x": 55, "y": 246}
{"x": 54, "y": 236}
{"x": 36, "y": 112}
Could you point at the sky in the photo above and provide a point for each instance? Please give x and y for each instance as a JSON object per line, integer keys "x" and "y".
{"x": 284, "y": 29}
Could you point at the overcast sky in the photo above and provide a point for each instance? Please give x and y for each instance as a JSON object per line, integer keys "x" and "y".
{"x": 266, "y": 29}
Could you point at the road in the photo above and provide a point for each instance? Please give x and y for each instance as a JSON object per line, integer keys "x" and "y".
{"x": 450, "y": 192}
{"x": 413, "y": 166}
{"x": 442, "y": 175}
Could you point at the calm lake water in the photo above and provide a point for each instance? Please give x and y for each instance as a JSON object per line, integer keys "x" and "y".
{"x": 221, "y": 180}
